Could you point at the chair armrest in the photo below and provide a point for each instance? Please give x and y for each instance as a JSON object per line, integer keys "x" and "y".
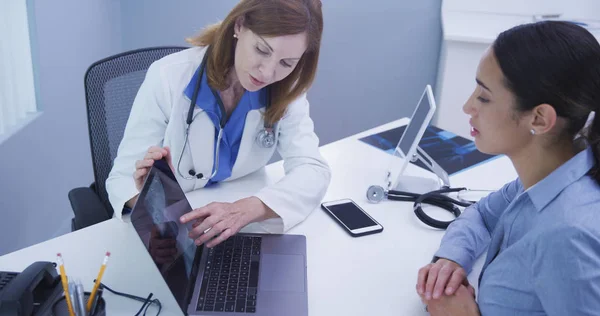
{"x": 87, "y": 207}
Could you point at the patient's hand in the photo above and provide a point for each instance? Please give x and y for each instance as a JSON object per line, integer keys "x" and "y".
{"x": 443, "y": 276}
{"x": 461, "y": 303}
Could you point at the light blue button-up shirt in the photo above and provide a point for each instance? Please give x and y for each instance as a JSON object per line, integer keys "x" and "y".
{"x": 544, "y": 244}
{"x": 234, "y": 128}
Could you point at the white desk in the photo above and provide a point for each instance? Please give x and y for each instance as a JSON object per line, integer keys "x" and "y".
{"x": 370, "y": 275}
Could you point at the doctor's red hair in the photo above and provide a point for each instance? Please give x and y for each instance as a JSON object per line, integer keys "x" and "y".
{"x": 267, "y": 18}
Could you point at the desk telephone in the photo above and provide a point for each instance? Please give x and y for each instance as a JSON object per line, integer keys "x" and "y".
{"x": 31, "y": 292}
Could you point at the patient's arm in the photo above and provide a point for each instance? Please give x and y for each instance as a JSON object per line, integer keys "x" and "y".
{"x": 468, "y": 236}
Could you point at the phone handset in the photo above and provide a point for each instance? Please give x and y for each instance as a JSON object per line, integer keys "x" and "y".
{"x": 31, "y": 290}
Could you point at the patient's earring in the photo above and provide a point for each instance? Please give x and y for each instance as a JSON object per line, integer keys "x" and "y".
{"x": 235, "y": 35}
{"x": 532, "y": 131}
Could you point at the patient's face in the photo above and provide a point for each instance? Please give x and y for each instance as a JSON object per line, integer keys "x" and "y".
{"x": 495, "y": 123}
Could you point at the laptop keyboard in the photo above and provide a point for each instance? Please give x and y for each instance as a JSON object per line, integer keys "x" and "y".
{"x": 5, "y": 278}
{"x": 230, "y": 278}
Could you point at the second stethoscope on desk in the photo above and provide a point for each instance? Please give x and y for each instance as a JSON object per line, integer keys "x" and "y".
{"x": 265, "y": 138}
{"x": 438, "y": 198}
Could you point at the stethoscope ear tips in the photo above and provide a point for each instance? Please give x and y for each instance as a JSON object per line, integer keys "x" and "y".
{"x": 193, "y": 174}
{"x": 375, "y": 194}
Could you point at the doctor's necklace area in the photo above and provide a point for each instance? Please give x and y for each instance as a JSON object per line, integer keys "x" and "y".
{"x": 265, "y": 138}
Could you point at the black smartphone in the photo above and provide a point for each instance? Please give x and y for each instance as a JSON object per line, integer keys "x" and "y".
{"x": 352, "y": 217}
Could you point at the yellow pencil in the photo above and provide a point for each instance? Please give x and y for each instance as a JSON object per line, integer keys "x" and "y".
{"x": 97, "y": 284}
{"x": 65, "y": 283}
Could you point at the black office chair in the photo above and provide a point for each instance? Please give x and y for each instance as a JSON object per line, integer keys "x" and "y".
{"x": 111, "y": 85}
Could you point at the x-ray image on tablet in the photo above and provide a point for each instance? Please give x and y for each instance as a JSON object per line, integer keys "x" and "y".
{"x": 454, "y": 153}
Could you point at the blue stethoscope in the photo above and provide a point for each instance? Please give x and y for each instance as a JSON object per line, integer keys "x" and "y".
{"x": 265, "y": 138}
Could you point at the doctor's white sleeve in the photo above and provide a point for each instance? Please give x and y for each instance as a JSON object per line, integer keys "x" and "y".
{"x": 307, "y": 174}
{"x": 145, "y": 128}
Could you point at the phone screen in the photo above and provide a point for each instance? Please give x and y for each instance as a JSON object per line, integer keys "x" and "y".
{"x": 352, "y": 216}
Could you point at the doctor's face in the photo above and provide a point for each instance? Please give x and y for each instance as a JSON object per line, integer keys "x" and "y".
{"x": 260, "y": 61}
{"x": 496, "y": 125}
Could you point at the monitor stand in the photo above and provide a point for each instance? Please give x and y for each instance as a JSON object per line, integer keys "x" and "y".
{"x": 423, "y": 185}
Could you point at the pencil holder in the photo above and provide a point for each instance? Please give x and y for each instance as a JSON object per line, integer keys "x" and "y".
{"x": 60, "y": 306}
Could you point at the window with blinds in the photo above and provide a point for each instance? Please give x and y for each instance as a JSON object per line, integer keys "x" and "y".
{"x": 17, "y": 89}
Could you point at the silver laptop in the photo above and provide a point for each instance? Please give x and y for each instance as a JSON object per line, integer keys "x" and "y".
{"x": 256, "y": 274}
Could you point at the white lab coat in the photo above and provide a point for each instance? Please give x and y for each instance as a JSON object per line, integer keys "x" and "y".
{"x": 158, "y": 118}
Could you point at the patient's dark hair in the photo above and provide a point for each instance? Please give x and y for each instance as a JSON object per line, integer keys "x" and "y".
{"x": 557, "y": 63}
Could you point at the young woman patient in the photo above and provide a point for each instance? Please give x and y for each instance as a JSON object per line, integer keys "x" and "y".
{"x": 537, "y": 85}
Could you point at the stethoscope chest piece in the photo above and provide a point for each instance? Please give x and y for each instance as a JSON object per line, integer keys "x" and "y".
{"x": 375, "y": 194}
{"x": 266, "y": 138}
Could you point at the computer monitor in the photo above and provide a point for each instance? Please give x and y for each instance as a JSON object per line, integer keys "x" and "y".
{"x": 407, "y": 148}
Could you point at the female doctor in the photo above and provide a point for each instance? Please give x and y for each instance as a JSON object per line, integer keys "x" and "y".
{"x": 217, "y": 112}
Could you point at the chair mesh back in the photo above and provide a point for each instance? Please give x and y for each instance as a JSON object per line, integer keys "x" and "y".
{"x": 110, "y": 88}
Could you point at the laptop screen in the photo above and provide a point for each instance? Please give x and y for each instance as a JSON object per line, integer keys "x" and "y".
{"x": 155, "y": 217}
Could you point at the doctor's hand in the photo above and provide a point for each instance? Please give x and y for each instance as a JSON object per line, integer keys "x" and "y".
{"x": 223, "y": 220}
{"x": 142, "y": 167}
{"x": 461, "y": 303}
{"x": 442, "y": 277}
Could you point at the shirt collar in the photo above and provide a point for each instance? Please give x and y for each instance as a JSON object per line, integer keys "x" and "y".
{"x": 574, "y": 169}
{"x": 258, "y": 99}
{"x": 207, "y": 102}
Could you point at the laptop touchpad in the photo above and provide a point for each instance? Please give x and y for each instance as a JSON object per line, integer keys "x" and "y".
{"x": 282, "y": 273}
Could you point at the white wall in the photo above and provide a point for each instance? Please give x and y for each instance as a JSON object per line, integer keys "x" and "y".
{"x": 470, "y": 27}
{"x": 579, "y": 9}
{"x": 17, "y": 89}
{"x": 51, "y": 155}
